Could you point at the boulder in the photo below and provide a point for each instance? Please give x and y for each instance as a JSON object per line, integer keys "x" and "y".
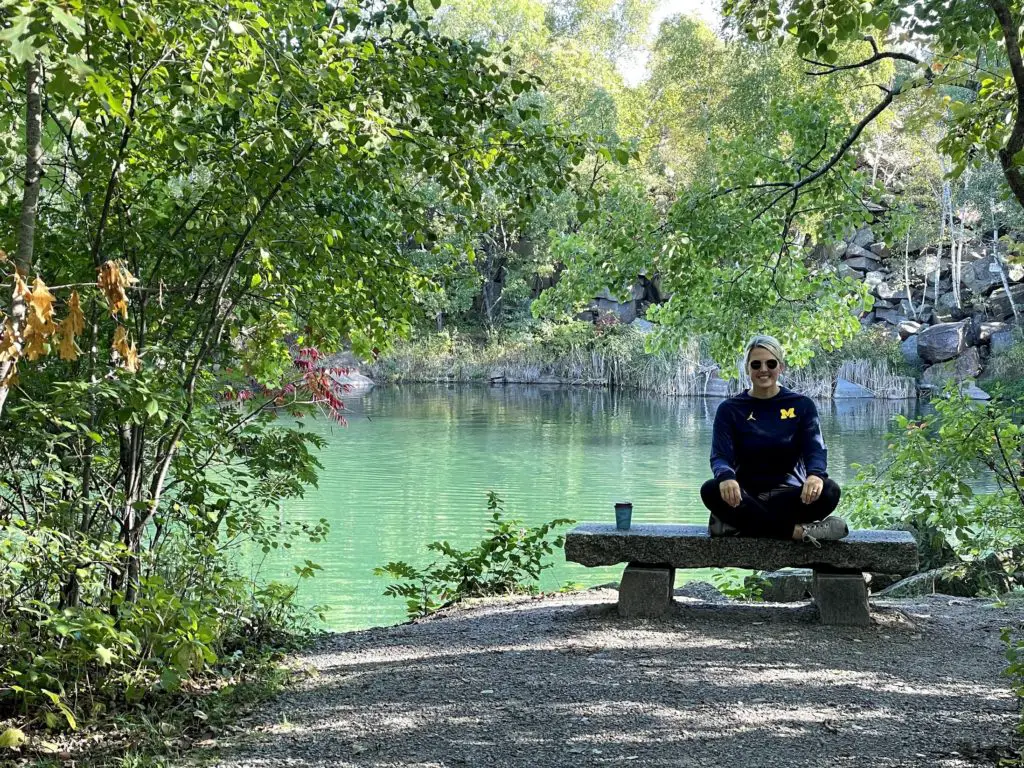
{"x": 988, "y": 328}
{"x": 881, "y": 250}
{"x": 981, "y": 276}
{"x": 927, "y": 263}
{"x": 846, "y": 390}
{"x": 868, "y": 318}
{"x": 786, "y": 586}
{"x": 890, "y": 316}
{"x": 885, "y": 304}
{"x": 999, "y": 302}
{"x": 827, "y": 252}
{"x": 947, "y": 310}
{"x": 701, "y": 590}
{"x": 909, "y": 350}
{"x": 911, "y": 309}
{"x": 942, "y": 342}
{"x": 863, "y": 237}
{"x": 885, "y": 290}
{"x": 974, "y": 392}
{"x": 845, "y": 271}
{"x": 624, "y": 311}
{"x": 918, "y": 585}
{"x": 354, "y": 380}
{"x": 1001, "y": 341}
{"x": 966, "y": 366}
{"x": 637, "y": 291}
{"x": 908, "y": 328}
{"x": 874, "y": 277}
{"x": 644, "y": 326}
{"x": 865, "y": 263}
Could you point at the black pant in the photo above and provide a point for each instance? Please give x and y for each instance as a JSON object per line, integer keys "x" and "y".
{"x": 773, "y": 513}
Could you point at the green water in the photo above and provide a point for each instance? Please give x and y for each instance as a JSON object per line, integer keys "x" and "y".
{"x": 415, "y": 463}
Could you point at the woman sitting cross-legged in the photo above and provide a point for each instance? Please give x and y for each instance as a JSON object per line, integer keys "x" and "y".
{"x": 769, "y": 460}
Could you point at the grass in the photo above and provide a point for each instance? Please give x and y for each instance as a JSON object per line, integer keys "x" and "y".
{"x": 158, "y": 734}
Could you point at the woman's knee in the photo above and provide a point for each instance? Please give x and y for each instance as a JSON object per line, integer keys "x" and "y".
{"x": 831, "y": 492}
{"x": 710, "y": 494}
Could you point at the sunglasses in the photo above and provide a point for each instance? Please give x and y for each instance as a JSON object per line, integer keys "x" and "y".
{"x": 771, "y": 365}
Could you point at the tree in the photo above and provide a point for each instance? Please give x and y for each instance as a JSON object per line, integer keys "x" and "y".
{"x": 973, "y": 45}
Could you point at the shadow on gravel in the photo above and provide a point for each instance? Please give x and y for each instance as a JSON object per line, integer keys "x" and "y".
{"x": 710, "y": 685}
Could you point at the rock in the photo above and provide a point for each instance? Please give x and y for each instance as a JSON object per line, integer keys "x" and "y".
{"x": 981, "y": 276}
{"x": 915, "y": 311}
{"x": 868, "y": 318}
{"x": 999, "y": 302}
{"x": 644, "y": 326}
{"x": 845, "y": 271}
{"x": 926, "y": 264}
{"x": 624, "y": 311}
{"x": 941, "y": 342}
{"x": 701, "y": 590}
{"x": 986, "y": 329}
{"x": 881, "y": 250}
{"x": 946, "y": 309}
{"x": 865, "y": 263}
{"x": 787, "y": 586}
{"x": 874, "y": 278}
{"x": 607, "y": 295}
{"x": 966, "y": 366}
{"x": 356, "y": 381}
{"x": 908, "y": 328}
{"x": 885, "y": 290}
{"x": 637, "y": 291}
{"x": 885, "y": 304}
{"x": 863, "y": 237}
{"x": 909, "y": 350}
{"x": 974, "y": 392}
{"x": 918, "y": 585}
{"x": 827, "y": 252}
{"x": 717, "y": 387}
{"x": 1000, "y": 341}
{"x": 890, "y": 316}
{"x": 846, "y": 390}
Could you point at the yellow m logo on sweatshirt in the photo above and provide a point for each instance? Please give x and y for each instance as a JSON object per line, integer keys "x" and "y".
{"x": 788, "y": 413}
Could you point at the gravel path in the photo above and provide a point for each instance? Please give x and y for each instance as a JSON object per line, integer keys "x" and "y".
{"x": 562, "y": 681}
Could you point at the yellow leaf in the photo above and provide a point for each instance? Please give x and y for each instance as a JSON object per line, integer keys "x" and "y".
{"x": 41, "y": 301}
{"x": 20, "y": 289}
{"x": 112, "y": 282}
{"x": 35, "y": 346}
{"x": 75, "y": 314}
{"x": 126, "y": 352}
{"x": 68, "y": 350}
{"x": 10, "y": 349}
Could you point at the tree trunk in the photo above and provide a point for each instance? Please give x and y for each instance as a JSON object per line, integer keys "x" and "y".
{"x": 29, "y": 204}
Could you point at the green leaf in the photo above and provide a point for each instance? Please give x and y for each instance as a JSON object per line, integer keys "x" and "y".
{"x": 12, "y": 738}
{"x": 71, "y": 23}
{"x": 104, "y": 655}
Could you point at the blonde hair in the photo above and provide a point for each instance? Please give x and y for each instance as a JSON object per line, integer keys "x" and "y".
{"x": 763, "y": 341}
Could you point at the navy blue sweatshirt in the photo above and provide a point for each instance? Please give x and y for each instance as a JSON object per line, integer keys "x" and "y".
{"x": 767, "y": 443}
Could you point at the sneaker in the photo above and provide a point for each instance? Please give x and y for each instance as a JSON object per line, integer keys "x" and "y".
{"x": 718, "y": 527}
{"x": 832, "y": 528}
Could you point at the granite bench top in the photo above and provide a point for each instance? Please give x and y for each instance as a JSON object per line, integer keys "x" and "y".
{"x": 690, "y": 546}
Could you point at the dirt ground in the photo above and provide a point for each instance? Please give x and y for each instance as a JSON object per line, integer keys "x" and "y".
{"x": 563, "y": 681}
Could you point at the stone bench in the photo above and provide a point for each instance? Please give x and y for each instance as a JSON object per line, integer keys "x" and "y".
{"x": 654, "y": 551}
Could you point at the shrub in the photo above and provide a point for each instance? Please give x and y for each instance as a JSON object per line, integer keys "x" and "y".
{"x": 507, "y": 561}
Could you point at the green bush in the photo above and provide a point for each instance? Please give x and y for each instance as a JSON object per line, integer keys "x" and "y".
{"x": 507, "y": 561}
{"x": 928, "y": 482}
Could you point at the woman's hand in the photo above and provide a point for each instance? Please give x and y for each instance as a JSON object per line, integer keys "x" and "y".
{"x": 811, "y": 491}
{"x": 730, "y": 491}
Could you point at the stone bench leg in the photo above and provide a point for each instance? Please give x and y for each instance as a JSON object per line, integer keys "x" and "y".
{"x": 645, "y": 591}
{"x": 842, "y": 598}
